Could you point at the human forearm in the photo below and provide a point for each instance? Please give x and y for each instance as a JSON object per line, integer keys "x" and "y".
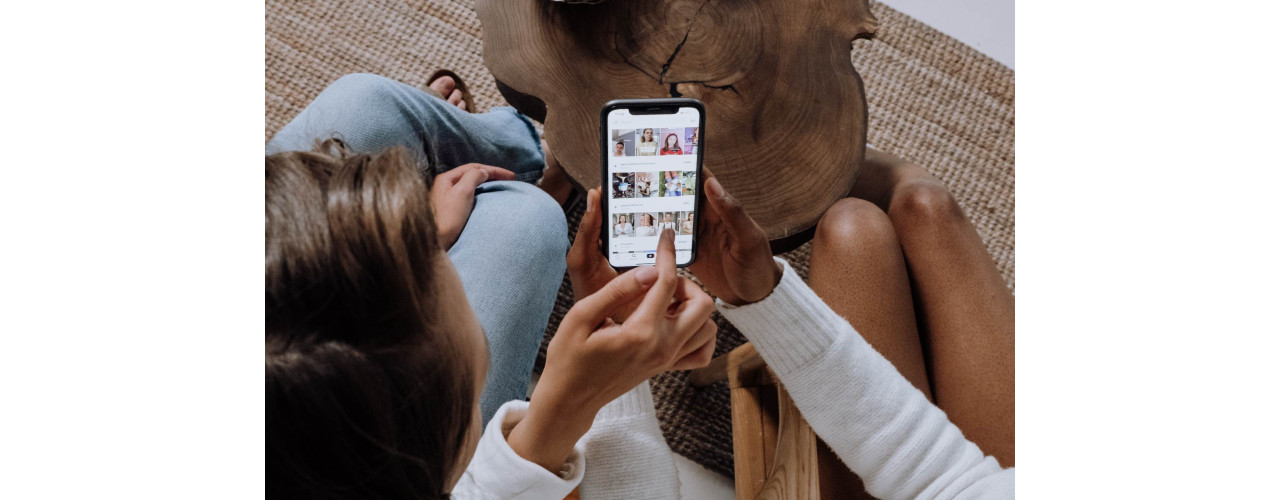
{"x": 547, "y": 435}
{"x": 497, "y": 471}
{"x": 872, "y": 417}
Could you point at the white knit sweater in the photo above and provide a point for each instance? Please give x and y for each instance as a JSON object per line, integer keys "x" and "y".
{"x": 882, "y": 427}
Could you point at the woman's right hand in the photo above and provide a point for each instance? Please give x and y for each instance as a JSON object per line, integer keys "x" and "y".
{"x": 592, "y": 360}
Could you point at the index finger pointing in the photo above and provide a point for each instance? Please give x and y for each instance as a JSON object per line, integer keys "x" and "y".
{"x": 659, "y": 297}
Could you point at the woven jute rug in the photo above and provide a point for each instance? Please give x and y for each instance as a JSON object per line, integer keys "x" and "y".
{"x": 932, "y": 100}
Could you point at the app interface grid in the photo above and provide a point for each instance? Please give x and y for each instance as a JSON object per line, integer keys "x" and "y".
{"x": 653, "y": 163}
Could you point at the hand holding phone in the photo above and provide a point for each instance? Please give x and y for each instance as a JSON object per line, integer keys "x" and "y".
{"x": 739, "y": 267}
{"x": 589, "y": 271}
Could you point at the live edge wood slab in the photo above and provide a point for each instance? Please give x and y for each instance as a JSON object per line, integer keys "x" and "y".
{"x": 786, "y": 113}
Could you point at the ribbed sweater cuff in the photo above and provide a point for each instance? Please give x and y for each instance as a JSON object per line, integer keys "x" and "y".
{"x": 790, "y": 327}
{"x": 635, "y": 403}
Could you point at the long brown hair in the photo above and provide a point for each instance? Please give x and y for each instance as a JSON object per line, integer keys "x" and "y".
{"x": 666, "y": 143}
{"x": 364, "y": 398}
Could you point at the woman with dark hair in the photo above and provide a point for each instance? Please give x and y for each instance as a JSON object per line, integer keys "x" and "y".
{"x": 671, "y": 145}
{"x": 486, "y": 212}
{"x": 379, "y": 370}
{"x": 644, "y": 227}
{"x": 686, "y": 224}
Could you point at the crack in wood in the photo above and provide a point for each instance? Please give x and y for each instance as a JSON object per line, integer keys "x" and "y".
{"x": 676, "y": 52}
{"x": 672, "y": 90}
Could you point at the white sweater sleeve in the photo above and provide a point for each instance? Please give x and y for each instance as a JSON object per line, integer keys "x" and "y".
{"x": 623, "y": 456}
{"x": 882, "y": 427}
{"x": 496, "y": 472}
{"x": 626, "y": 454}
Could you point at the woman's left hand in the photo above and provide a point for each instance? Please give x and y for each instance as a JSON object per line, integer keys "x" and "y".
{"x": 453, "y": 193}
{"x": 734, "y": 261}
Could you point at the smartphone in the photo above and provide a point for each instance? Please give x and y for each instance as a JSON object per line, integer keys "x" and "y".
{"x": 651, "y": 168}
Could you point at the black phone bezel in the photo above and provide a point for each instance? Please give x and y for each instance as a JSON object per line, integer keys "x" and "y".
{"x": 650, "y": 106}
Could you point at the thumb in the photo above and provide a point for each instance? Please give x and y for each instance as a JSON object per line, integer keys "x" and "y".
{"x": 729, "y": 209}
{"x": 615, "y": 296}
{"x": 588, "y": 239}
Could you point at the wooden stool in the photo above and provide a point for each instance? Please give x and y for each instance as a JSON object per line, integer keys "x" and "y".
{"x": 776, "y": 455}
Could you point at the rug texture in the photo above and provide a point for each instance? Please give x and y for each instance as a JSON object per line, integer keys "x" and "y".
{"x": 931, "y": 100}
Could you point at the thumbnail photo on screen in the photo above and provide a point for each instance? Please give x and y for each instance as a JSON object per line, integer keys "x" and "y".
{"x": 624, "y": 143}
{"x": 677, "y": 183}
{"x": 624, "y": 184}
{"x": 646, "y": 142}
{"x": 646, "y": 224}
{"x": 685, "y": 221}
{"x": 671, "y": 141}
{"x": 667, "y": 220}
{"x": 622, "y": 225}
{"x": 647, "y": 185}
{"x": 691, "y": 140}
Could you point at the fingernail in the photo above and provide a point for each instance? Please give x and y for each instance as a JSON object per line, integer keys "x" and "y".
{"x": 715, "y": 188}
{"x": 646, "y": 275}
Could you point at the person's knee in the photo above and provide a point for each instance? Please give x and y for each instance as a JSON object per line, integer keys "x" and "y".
{"x": 853, "y": 221}
{"x": 363, "y": 84}
{"x": 368, "y": 93}
{"x": 924, "y": 202}
{"x": 544, "y": 230}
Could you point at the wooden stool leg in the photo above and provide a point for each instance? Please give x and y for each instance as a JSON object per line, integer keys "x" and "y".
{"x": 716, "y": 371}
{"x": 776, "y": 454}
{"x": 795, "y": 462}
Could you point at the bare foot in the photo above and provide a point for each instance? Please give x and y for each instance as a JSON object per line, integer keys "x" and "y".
{"x": 447, "y": 88}
{"x": 555, "y": 181}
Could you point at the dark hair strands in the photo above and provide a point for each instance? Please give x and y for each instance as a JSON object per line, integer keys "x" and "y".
{"x": 364, "y": 396}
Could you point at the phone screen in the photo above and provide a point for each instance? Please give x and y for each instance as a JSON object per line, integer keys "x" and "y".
{"x": 652, "y": 183}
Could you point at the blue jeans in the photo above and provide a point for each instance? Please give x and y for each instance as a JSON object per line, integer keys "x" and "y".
{"x": 511, "y": 254}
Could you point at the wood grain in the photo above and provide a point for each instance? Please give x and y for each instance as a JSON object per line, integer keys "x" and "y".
{"x": 794, "y": 474}
{"x": 786, "y": 112}
{"x": 776, "y": 454}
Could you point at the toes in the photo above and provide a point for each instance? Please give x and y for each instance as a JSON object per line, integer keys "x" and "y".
{"x": 444, "y": 85}
{"x": 455, "y": 98}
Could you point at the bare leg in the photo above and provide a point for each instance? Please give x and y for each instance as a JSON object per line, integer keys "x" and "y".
{"x": 555, "y": 181}
{"x": 964, "y": 310}
{"x": 858, "y": 270}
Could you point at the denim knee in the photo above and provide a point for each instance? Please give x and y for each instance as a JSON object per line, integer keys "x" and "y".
{"x": 538, "y": 221}
{"x": 364, "y": 84}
